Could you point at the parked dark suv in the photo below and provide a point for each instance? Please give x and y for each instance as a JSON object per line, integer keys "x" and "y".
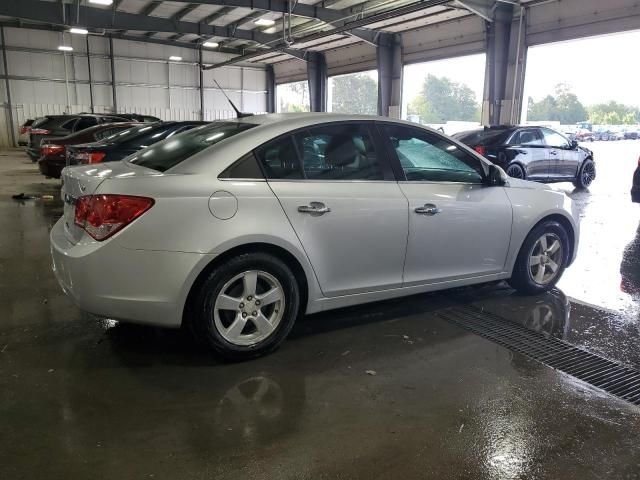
{"x": 635, "y": 188}
{"x": 57, "y": 126}
{"x": 533, "y": 153}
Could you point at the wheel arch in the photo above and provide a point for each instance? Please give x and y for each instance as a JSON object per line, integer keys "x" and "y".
{"x": 263, "y": 247}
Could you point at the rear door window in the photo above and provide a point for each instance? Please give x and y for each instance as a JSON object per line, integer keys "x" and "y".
{"x": 85, "y": 122}
{"x": 166, "y": 154}
{"x": 279, "y": 159}
{"x": 530, "y": 136}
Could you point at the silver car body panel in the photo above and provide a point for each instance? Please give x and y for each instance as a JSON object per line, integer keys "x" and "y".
{"x": 368, "y": 248}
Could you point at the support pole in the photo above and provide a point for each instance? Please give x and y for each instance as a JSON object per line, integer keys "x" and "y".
{"x": 498, "y": 45}
{"x": 318, "y": 80}
{"x": 12, "y": 127}
{"x": 113, "y": 77}
{"x": 201, "y": 83}
{"x": 271, "y": 89}
{"x": 90, "y": 78}
{"x": 389, "y": 62}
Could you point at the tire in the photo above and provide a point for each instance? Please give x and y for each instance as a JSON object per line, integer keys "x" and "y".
{"x": 516, "y": 171}
{"x": 230, "y": 285}
{"x": 525, "y": 277}
{"x": 586, "y": 174}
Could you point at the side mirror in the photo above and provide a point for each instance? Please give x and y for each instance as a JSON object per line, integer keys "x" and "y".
{"x": 497, "y": 176}
{"x": 574, "y": 144}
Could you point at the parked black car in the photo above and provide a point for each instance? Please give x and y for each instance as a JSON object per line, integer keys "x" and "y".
{"x": 136, "y": 117}
{"x": 124, "y": 143}
{"x": 57, "y": 126}
{"x": 635, "y": 188}
{"x": 533, "y": 153}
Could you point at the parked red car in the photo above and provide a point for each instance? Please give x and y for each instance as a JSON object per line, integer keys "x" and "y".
{"x": 53, "y": 157}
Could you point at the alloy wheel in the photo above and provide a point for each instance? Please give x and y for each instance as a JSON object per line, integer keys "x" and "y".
{"x": 588, "y": 174}
{"x": 249, "y": 308}
{"x": 515, "y": 171}
{"x": 545, "y": 259}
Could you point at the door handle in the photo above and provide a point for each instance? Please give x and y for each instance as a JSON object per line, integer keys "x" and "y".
{"x": 317, "y": 208}
{"x": 553, "y": 152}
{"x": 428, "y": 209}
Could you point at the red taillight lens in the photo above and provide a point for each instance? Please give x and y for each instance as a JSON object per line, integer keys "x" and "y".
{"x": 39, "y": 131}
{"x": 480, "y": 149}
{"x": 89, "y": 157}
{"x": 52, "y": 149}
{"x": 101, "y": 216}
{"x": 24, "y": 130}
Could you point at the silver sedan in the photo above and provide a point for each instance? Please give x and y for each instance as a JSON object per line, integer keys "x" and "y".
{"x": 238, "y": 227}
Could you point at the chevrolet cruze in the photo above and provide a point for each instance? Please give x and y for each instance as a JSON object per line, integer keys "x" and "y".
{"x": 238, "y": 227}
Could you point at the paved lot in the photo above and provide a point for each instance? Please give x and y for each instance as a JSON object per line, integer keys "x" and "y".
{"x": 86, "y": 399}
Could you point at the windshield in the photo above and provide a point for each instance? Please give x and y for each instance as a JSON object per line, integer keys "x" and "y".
{"x": 170, "y": 152}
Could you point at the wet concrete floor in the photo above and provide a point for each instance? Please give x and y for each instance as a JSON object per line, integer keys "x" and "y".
{"x": 81, "y": 398}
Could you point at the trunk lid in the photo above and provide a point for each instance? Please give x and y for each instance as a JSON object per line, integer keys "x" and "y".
{"x": 84, "y": 180}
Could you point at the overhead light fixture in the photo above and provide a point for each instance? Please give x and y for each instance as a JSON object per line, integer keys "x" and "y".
{"x": 65, "y": 48}
{"x": 211, "y": 44}
{"x": 265, "y": 22}
{"x": 79, "y": 30}
{"x": 270, "y": 30}
{"x": 101, "y": 2}
{"x": 175, "y": 58}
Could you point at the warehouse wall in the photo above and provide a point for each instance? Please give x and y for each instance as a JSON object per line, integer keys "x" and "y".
{"x": 44, "y": 80}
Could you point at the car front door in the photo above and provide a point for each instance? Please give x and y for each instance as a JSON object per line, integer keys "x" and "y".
{"x": 344, "y": 204}
{"x": 564, "y": 160}
{"x": 529, "y": 150}
{"x": 459, "y": 227}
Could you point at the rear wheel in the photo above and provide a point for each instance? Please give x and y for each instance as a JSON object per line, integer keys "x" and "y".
{"x": 586, "y": 174}
{"x": 246, "y": 307}
{"x": 516, "y": 171}
{"x": 542, "y": 258}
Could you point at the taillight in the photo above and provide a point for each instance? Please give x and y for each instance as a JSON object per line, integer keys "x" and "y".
{"x": 480, "y": 149}
{"x": 39, "y": 131}
{"x": 52, "y": 149}
{"x": 24, "y": 130}
{"x": 89, "y": 157}
{"x": 103, "y": 215}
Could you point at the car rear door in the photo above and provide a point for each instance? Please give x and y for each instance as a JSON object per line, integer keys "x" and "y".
{"x": 530, "y": 151}
{"x": 459, "y": 227}
{"x": 564, "y": 161}
{"x": 339, "y": 193}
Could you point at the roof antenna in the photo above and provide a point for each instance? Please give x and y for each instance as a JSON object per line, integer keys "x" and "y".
{"x": 239, "y": 114}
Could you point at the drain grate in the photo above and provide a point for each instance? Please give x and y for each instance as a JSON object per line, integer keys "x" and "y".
{"x": 612, "y": 377}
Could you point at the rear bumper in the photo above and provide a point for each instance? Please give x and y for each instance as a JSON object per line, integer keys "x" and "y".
{"x": 50, "y": 169}
{"x": 110, "y": 281}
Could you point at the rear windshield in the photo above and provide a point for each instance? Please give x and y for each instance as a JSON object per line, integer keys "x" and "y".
{"x": 129, "y": 133}
{"x": 170, "y": 152}
{"x": 483, "y": 137}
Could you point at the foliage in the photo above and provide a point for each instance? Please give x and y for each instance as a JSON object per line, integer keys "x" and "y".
{"x": 299, "y": 90}
{"x": 356, "y": 93}
{"x": 564, "y": 107}
{"x": 613, "y": 113}
{"x": 442, "y": 99}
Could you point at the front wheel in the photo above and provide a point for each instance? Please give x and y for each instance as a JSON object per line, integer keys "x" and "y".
{"x": 542, "y": 259}
{"x": 246, "y": 307}
{"x": 586, "y": 174}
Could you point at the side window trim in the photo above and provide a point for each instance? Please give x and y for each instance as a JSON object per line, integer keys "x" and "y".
{"x": 395, "y": 160}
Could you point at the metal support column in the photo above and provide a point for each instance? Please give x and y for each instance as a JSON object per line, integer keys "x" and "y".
{"x": 12, "y": 128}
{"x": 90, "y": 77}
{"x": 113, "y": 77}
{"x": 498, "y": 36}
{"x": 389, "y": 62}
{"x": 271, "y": 89}
{"x": 201, "y": 83}
{"x": 318, "y": 80}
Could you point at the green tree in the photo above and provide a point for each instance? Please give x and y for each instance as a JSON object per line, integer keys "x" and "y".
{"x": 442, "y": 99}
{"x": 602, "y": 113}
{"x": 356, "y": 93}
{"x": 564, "y": 107}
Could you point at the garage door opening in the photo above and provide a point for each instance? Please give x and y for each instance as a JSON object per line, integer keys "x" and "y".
{"x": 292, "y": 97}
{"x": 354, "y": 93}
{"x": 444, "y": 94}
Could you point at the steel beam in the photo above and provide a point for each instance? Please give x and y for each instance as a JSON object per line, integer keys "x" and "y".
{"x": 201, "y": 83}
{"x": 114, "y": 94}
{"x": 12, "y": 127}
{"x": 318, "y": 81}
{"x": 90, "y": 77}
{"x": 95, "y": 18}
{"x": 271, "y": 89}
{"x": 389, "y": 62}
